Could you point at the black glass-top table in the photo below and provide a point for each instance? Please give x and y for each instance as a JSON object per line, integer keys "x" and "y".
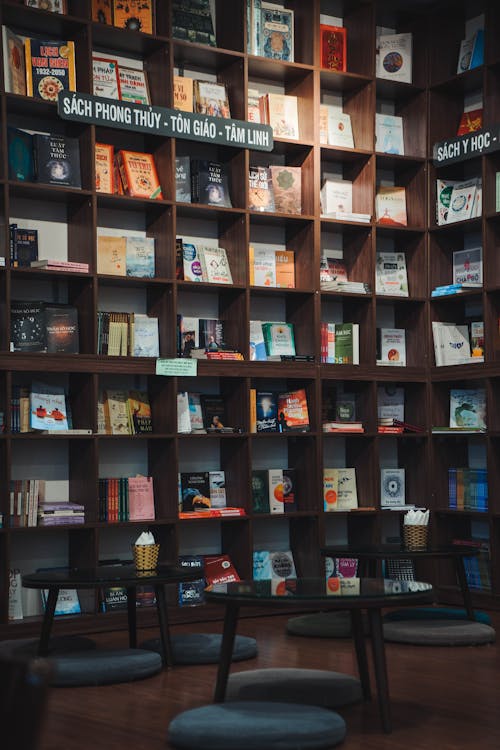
{"x": 369, "y": 557}
{"x": 125, "y": 576}
{"x": 356, "y": 595}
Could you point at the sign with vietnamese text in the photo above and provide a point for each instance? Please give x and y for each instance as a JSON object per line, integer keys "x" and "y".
{"x": 467, "y": 146}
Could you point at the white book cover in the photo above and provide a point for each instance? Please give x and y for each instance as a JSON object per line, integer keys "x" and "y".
{"x": 257, "y": 343}
{"x": 468, "y": 266}
{"x": 283, "y": 115}
{"x": 392, "y": 488}
{"x": 394, "y": 57}
{"x": 468, "y": 407}
{"x": 195, "y": 412}
{"x": 106, "y": 80}
{"x": 282, "y": 565}
{"x": 215, "y": 265}
{"x": 393, "y": 346}
{"x": 336, "y": 196}
{"x": 275, "y": 485}
{"x": 390, "y": 274}
{"x": 451, "y": 343}
{"x": 183, "y": 418}
{"x": 462, "y": 201}
{"x": 323, "y": 123}
{"x": 15, "y": 601}
{"x": 391, "y": 402}
{"x": 140, "y": 258}
{"x": 348, "y": 494}
{"x": 262, "y": 266}
{"x": 339, "y": 128}
{"x": 146, "y": 336}
{"x": 389, "y": 134}
{"x": 465, "y": 55}
{"x": 191, "y": 262}
{"x": 444, "y": 189}
{"x": 217, "y": 485}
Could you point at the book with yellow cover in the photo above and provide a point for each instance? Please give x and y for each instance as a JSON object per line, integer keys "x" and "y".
{"x": 112, "y": 255}
{"x": 183, "y": 93}
{"x": 102, "y": 11}
{"x": 139, "y": 175}
{"x": 50, "y": 68}
{"x": 285, "y": 269}
{"x": 104, "y": 171}
{"x": 134, "y": 15}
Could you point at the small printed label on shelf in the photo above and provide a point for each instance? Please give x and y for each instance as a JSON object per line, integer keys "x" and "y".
{"x": 466, "y": 146}
{"x": 172, "y": 367}
{"x": 173, "y": 123}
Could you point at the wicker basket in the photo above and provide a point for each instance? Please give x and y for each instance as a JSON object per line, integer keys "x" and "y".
{"x": 415, "y": 537}
{"x": 146, "y": 556}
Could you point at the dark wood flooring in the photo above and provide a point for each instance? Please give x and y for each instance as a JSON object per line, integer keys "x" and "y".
{"x": 442, "y": 698}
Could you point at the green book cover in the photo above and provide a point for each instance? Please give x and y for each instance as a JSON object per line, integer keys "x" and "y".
{"x": 260, "y": 492}
{"x": 346, "y": 344}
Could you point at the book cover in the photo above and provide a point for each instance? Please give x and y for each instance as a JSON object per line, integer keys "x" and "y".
{"x": 477, "y": 338}
{"x": 279, "y": 338}
{"x": 67, "y": 603}
{"x": 339, "y": 128}
{"x": 195, "y": 491}
{"x": 392, "y": 346}
{"x": 111, "y": 255}
{"x": 183, "y": 93}
{"x": 262, "y": 262}
{"x": 394, "y": 57}
{"x": 23, "y": 246}
{"x": 444, "y": 189}
{"x": 275, "y": 490}
{"x": 211, "y": 334}
{"x": 219, "y": 569}
{"x": 333, "y": 47}
{"x": 102, "y": 11}
{"x": 330, "y": 489}
{"x": 390, "y": 206}
{"x": 57, "y": 160}
{"x": 261, "y": 565}
{"x": 260, "y": 491}
{"x": 183, "y": 418}
{"x": 470, "y": 121}
{"x": 191, "y": 593}
{"x": 392, "y": 488}
{"x": 390, "y": 402}
{"x": 287, "y": 187}
{"x": 257, "y": 343}
{"x": 62, "y": 333}
{"x": 47, "y": 407}
{"x": 282, "y": 565}
{"x": 331, "y": 269}
{"x": 134, "y": 85}
{"x": 347, "y": 497}
{"x": 134, "y": 15}
{"x": 215, "y": 265}
{"x": 139, "y": 175}
{"x": 217, "y": 486}
{"x": 105, "y": 78}
{"x": 391, "y": 275}
{"x": 27, "y": 326}
{"x": 209, "y": 183}
{"x": 141, "y": 501}
{"x": 192, "y": 22}
{"x": 191, "y": 262}
{"x": 140, "y": 411}
{"x": 462, "y": 201}
{"x": 451, "y": 343}
{"x": 276, "y": 32}
{"x": 465, "y": 55}
{"x": 290, "y": 497}
{"x": 214, "y": 412}
{"x": 114, "y": 598}
{"x": 15, "y": 600}
{"x": 285, "y": 269}
{"x": 210, "y": 98}
{"x": 336, "y": 197}
{"x": 146, "y": 336}
{"x": 468, "y": 266}
{"x": 195, "y": 413}
{"x": 50, "y": 68}
{"x": 188, "y": 334}
{"x": 347, "y": 343}
{"x": 282, "y": 111}
{"x": 117, "y": 413}
{"x": 267, "y": 411}
{"x": 140, "y": 257}
{"x": 20, "y": 155}
{"x": 13, "y": 62}
{"x": 104, "y": 169}
{"x": 293, "y": 413}
{"x": 468, "y": 408}
{"x": 183, "y": 179}
{"x": 260, "y": 189}
{"x": 52, "y": 6}
{"x": 253, "y": 106}
{"x": 389, "y": 134}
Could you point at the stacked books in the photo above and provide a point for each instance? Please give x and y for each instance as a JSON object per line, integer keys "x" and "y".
{"x": 60, "y": 513}
{"x": 468, "y": 489}
{"x": 53, "y": 264}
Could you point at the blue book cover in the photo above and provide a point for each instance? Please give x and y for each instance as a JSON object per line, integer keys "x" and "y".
{"x": 20, "y": 155}
{"x": 267, "y": 411}
{"x": 140, "y": 257}
{"x": 477, "y": 57}
{"x": 262, "y": 565}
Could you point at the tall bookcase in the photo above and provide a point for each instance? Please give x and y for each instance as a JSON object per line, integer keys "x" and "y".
{"x": 430, "y": 107}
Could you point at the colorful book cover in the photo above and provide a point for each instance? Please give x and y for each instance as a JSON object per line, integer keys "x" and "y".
{"x": 57, "y": 160}
{"x": 267, "y": 411}
{"x": 220, "y": 569}
{"x": 330, "y": 489}
{"x": 275, "y": 490}
{"x": 392, "y": 345}
{"x": 105, "y": 78}
{"x": 102, "y": 11}
{"x": 141, "y": 500}
{"x": 47, "y": 407}
{"x": 276, "y": 32}
{"x": 394, "y": 57}
{"x": 333, "y": 47}
{"x": 134, "y": 15}
{"x": 257, "y": 343}
{"x": 290, "y": 497}
{"x": 390, "y": 206}
{"x": 191, "y": 593}
{"x": 191, "y": 261}
{"x": 133, "y": 85}
{"x": 217, "y": 486}
{"x": 468, "y": 266}
{"x": 470, "y": 121}
{"x": 50, "y": 68}
{"x": 140, "y": 257}
{"x": 285, "y": 269}
{"x": 213, "y": 409}
{"x": 287, "y": 187}
{"x": 104, "y": 170}
{"x": 279, "y": 339}
{"x": 183, "y": 93}
{"x": 262, "y": 261}
{"x": 262, "y": 565}
{"x": 211, "y": 98}
{"x": 140, "y": 411}
{"x": 14, "y": 62}
{"x": 390, "y": 274}
{"x": 139, "y": 175}
{"x": 260, "y": 189}
{"x": 195, "y": 489}
{"x": 23, "y": 246}
{"x": 293, "y": 413}
{"x": 468, "y": 408}
{"x": 347, "y": 344}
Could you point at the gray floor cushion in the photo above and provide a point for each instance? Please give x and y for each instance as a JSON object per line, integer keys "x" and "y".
{"x": 254, "y": 725}
{"x": 321, "y": 625}
{"x": 57, "y": 645}
{"x": 204, "y": 648}
{"x": 435, "y": 613}
{"x": 104, "y": 666}
{"x": 439, "y": 632}
{"x": 316, "y": 687}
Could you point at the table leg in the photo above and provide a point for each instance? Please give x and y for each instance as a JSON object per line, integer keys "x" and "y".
{"x": 161, "y": 606}
{"x": 380, "y": 666}
{"x": 360, "y": 646}
{"x": 226, "y": 651}
{"x": 132, "y": 617}
{"x": 464, "y": 586}
{"x": 48, "y": 619}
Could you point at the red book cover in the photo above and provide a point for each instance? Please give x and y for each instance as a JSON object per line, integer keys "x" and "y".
{"x": 470, "y": 121}
{"x": 292, "y": 411}
{"x": 219, "y": 569}
{"x": 333, "y": 51}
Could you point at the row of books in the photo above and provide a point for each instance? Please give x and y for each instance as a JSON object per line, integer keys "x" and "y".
{"x": 113, "y": 80}
{"x": 274, "y": 491}
{"x": 279, "y": 411}
{"x": 125, "y": 172}
{"x": 274, "y": 566}
{"x": 47, "y": 158}
{"x": 275, "y": 188}
{"x": 200, "y": 262}
{"x": 203, "y": 97}
{"x": 468, "y": 489}
{"x": 213, "y": 569}
{"x": 28, "y": 506}
{"x": 202, "y": 490}
{"x": 201, "y": 413}
{"x": 126, "y": 255}
{"x": 271, "y": 268}
{"x": 127, "y": 334}
{"x": 340, "y": 343}
{"x": 477, "y": 567}
{"x": 126, "y": 499}
{"x": 121, "y": 412}
{"x": 458, "y": 200}
{"x": 137, "y": 15}
{"x": 271, "y": 341}
{"x": 37, "y": 326}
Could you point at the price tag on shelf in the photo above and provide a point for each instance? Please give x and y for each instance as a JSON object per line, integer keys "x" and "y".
{"x": 172, "y": 367}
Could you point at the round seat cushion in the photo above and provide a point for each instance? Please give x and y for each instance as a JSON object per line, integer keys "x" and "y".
{"x": 103, "y": 666}
{"x": 254, "y": 725}
{"x": 433, "y": 632}
{"x": 203, "y": 648}
{"x": 58, "y": 645}
{"x": 435, "y": 613}
{"x": 321, "y": 625}
{"x": 316, "y": 687}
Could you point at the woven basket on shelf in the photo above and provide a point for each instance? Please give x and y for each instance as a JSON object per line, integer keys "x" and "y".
{"x": 415, "y": 537}
{"x": 146, "y": 556}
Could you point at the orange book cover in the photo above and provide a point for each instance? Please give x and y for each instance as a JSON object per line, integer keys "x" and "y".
{"x": 183, "y": 93}
{"x": 102, "y": 12}
{"x": 333, "y": 51}
{"x": 285, "y": 269}
{"x": 139, "y": 175}
{"x": 134, "y": 15}
{"x": 293, "y": 413}
{"x": 104, "y": 170}
{"x": 470, "y": 121}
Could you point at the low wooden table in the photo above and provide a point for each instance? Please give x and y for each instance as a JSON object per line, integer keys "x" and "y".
{"x": 371, "y": 595}
{"x": 110, "y": 575}
{"x": 371, "y": 555}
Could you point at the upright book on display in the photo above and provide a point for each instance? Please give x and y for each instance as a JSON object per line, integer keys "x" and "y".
{"x": 50, "y": 68}
{"x": 394, "y": 57}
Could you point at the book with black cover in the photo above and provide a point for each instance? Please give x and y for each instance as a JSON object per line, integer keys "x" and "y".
{"x": 192, "y": 21}
{"x": 211, "y": 334}
{"x": 195, "y": 490}
{"x": 214, "y": 412}
{"x": 61, "y": 323}
{"x": 20, "y": 155}
{"x": 267, "y": 411}
{"x": 23, "y": 246}
{"x": 209, "y": 183}
{"x": 27, "y": 326}
{"x": 182, "y": 179}
{"x": 57, "y": 160}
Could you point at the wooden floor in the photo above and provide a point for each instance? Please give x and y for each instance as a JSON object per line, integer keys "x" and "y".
{"x": 442, "y": 698}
